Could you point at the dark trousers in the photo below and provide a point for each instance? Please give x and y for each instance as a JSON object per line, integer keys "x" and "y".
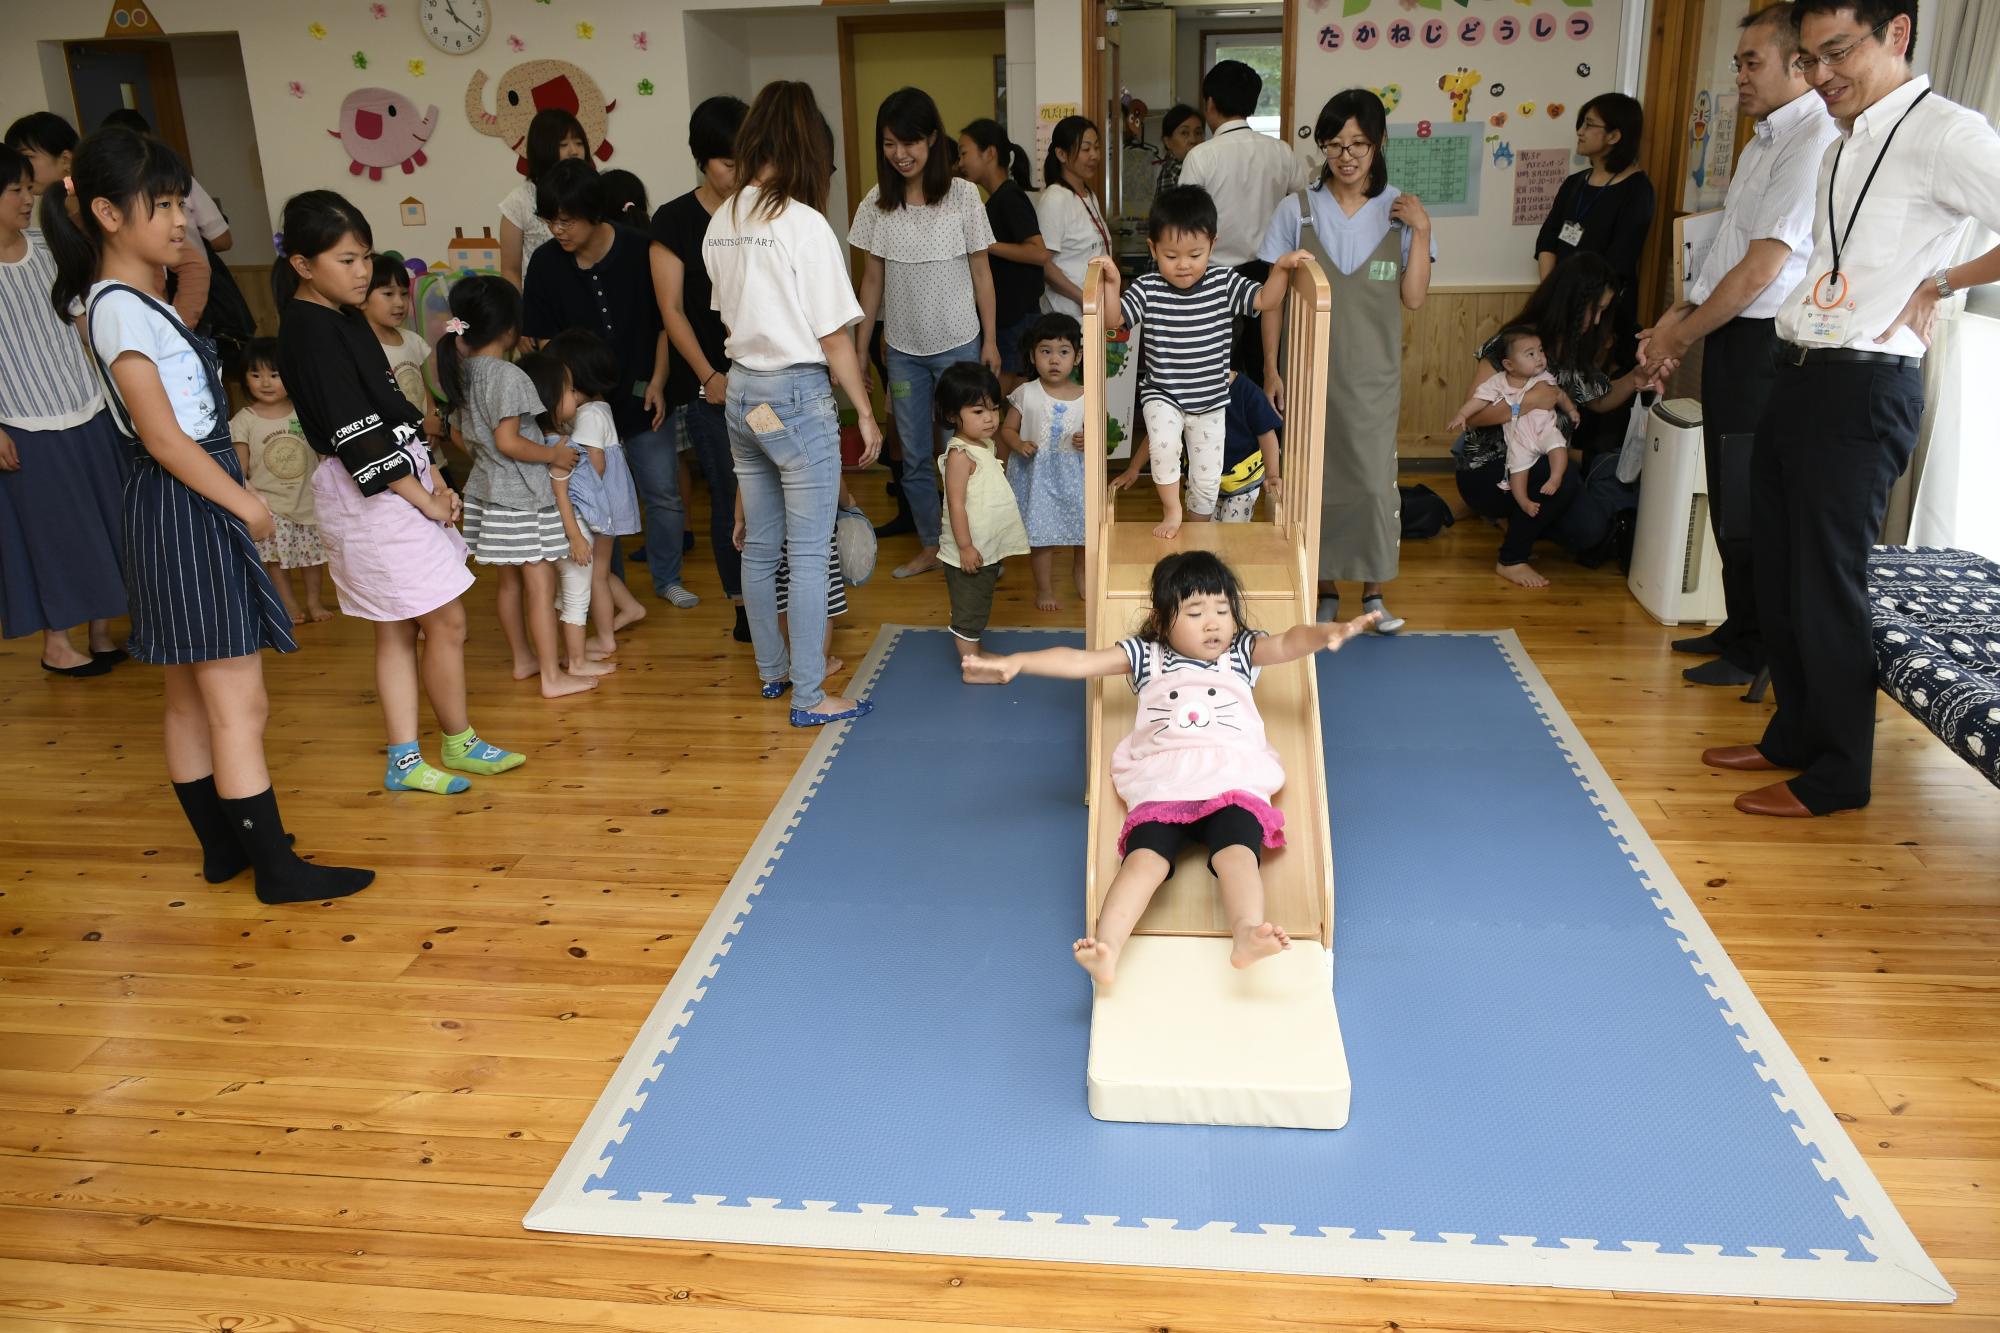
{"x": 1738, "y": 368}
{"x": 1482, "y": 490}
{"x": 1246, "y": 349}
{"x": 1833, "y": 441}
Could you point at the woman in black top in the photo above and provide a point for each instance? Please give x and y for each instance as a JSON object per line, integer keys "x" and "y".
{"x": 1606, "y": 210}
{"x": 988, "y": 159}
{"x": 699, "y": 374}
{"x": 1569, "y": 311}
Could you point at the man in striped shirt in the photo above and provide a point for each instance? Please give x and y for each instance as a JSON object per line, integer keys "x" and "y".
{"x": 1186, "y": 309}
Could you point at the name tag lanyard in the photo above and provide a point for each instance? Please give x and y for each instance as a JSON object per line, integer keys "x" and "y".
{"x": 1572, "y": 230}
{"x": 1831, "y": 289}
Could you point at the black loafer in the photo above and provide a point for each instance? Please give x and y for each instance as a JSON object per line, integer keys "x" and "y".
{"x": 110, "y": 656}
{"x": 96, "y": 666}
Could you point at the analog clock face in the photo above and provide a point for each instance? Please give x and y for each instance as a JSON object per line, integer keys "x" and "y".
{"x": 454, "y": 26}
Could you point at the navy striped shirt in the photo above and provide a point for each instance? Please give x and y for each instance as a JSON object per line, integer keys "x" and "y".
{"x": 1185, "y": 346}
{"x": 49, "y": 383}
{"x": 1150, "y": 657}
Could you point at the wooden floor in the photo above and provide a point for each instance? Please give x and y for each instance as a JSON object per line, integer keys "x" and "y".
{"x": 215, "y": 1115}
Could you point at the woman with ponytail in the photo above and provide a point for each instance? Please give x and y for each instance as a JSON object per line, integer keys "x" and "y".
{"x": 996, "y": 164}
{"x": 202, "y": 605}
{"x": 1072, "y": 225}
{"x": 780, "y": 285}
{"x": 385, "y": 518}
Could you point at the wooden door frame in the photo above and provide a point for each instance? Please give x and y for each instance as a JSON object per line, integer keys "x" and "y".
{"x": 858, "y": 180}
{"x": 168, "y": 123}
{"x": 1672, "y": 71}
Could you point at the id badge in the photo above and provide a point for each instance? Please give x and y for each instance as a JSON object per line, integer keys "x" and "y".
{"x": 1571, "y": 233}
{"x": 1382, "y": 270}
{"x": 1829, "y": 311}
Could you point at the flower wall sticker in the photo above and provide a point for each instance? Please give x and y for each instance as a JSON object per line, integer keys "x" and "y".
{"x": 318, "y": 31}
{"x": 639, "y": 40}
{"x": 515, "y": 44}
{"x": 586, "y": 31}
{"x": 379, "y": 11}
{"x": 645, "y": 87}
{"x": 417, "y": 68}
{"x": 295, "y": 88}
{"x": 360, "y": 60}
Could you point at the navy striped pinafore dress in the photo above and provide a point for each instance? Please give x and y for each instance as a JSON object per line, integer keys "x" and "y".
{"x": 195, "y": 587}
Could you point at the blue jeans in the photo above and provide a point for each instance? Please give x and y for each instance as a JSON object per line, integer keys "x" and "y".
{"x": 789, "y": 477}
{"x": 708, "y": 434}
{"x": 912, "y": 386}
{"x": 656, "y": 471}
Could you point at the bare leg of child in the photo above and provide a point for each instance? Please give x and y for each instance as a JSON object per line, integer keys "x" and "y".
{"x": 284, "y": 585}
{"x": 1124, "y": 903}
{"x": 1243, "y": 900}
{"x": 1076, "y": 570}
{"x": 1042, "y": 559}
{"x": 1558, "y": 464}
{"x": 1170, "y": 506}
{"x": 603, "y": 610}
{"x": 510, "y": 623}
{"x": 315, "y": 585}
{"x": 443, "y": 665}
{"x": 577, "y": 658}
{"x": 538, "y": 590}
{"x": 626, "y": 609}
{"x": 966, "y": 647}
{"x": 1517, "y": 483}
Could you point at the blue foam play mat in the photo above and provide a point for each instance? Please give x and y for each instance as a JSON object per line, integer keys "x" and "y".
{"x": 878, "y": 1042}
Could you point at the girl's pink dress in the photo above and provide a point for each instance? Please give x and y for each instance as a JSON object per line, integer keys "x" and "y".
{"x": 1199, "y": 741}
{"x": 388, "y": 561}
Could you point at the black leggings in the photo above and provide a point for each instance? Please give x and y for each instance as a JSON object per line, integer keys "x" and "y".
{"x": 1484, "y": 489}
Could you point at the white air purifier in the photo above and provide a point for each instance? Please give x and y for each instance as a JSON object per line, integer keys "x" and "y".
{"x": 1676, "y": 569}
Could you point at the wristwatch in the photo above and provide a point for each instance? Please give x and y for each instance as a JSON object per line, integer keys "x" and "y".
{"x": 1942, "y": 279}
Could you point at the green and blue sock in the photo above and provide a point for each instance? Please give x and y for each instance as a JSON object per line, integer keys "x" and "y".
{"x": 466, "y": 751}
{"x": 407, "y": 771}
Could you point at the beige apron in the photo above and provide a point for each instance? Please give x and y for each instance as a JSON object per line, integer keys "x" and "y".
{"x": 1361, "y": 522}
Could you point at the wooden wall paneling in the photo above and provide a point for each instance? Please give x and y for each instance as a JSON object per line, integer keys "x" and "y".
{"x": 1674, "y": 54}
{"x": 1439, "y": 340}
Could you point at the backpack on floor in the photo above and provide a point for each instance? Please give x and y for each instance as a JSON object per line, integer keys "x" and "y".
{"x": 1425, "y": 514}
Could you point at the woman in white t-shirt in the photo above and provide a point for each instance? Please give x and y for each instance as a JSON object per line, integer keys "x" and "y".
{"x": 1072, "y": 224}
{"x": 554, "y": 136}
{"x": 925, "y": 233}
{"x": 780, "y": 284}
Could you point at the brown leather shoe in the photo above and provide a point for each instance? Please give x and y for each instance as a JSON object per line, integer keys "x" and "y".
{"x": 1741, "y": 758}
{"x": 1776, "y": 799}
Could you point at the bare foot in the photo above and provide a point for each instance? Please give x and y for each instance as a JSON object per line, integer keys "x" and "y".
{"x": 1523, "y": 574}
{"x": 1169, "y": 528}
{"x": 593, "y": 653}
{"x": 1097, "y": 958}
{"x": 317, "y": 613}
{"x": 525, "y": 667}
{"x": 590, "y": 667}
{"x": 1256, "y": 943}
{"x": 557, "y": 684}
{"x": 834, "y": 666}
{"x": 59, "y": 652}
{"x": 923, "y": 564}
{"x": 1046, "y": 601}
{"x": 628, "y": 615}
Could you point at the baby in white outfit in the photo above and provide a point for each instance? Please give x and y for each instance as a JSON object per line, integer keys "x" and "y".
{"x": 1531, "y": 434}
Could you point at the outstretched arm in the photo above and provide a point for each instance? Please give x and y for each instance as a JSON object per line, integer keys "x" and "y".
{"x": 1060, "y": 663}
{"x": 1305, "y": 640}
{"x": 1272, "y": 294}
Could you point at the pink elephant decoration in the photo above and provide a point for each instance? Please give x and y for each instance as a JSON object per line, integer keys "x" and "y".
{"x": 380, "y": 128}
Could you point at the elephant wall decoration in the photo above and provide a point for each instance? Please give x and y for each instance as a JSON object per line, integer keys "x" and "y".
{"x": 380, "y": 128}
{"x": 538, "y": 85}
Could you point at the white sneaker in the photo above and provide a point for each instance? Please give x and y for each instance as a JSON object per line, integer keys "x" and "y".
{"x": 1389, "y": 623}
{"x": 681, "y": 597}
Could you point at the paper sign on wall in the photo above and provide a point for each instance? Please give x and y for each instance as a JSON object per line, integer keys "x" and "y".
{"x": 1439, "y": 163}
{"x": 1538, "y": 174}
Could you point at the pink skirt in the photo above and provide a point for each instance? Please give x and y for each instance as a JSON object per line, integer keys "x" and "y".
{"x": 388, "y": 561}
{"x": 1187, "y": 812}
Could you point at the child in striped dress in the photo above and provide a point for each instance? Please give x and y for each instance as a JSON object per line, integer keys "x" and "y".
{"x": 511, "y": 518}
{"x": 202, "y": 606}
{"x": 1186, "y": 310}
{"x": 982, "y": 523}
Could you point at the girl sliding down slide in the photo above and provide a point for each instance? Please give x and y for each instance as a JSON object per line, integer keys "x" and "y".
{"x": 1196, "y": 767}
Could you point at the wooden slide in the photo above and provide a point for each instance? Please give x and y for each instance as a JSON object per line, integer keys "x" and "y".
{"x": 1276, "y": 562}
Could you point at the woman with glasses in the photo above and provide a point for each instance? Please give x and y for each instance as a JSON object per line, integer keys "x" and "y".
{"x": 1606, "y": 209}
{"x": 1374, "y": 242}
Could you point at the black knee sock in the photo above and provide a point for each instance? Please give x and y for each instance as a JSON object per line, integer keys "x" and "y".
{"x": 281, "y": 876}
{"x": 742, "y": 631}
{"x": 222, "y": 856}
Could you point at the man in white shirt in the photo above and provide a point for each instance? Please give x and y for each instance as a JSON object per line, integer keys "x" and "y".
{"x": 1758, "y": 257}
{"x": 1248, "y": 175}
{"x": 1893, "y": 200}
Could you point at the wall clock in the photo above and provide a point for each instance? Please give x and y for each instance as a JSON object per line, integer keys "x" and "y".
{"x": 454, "y": 26}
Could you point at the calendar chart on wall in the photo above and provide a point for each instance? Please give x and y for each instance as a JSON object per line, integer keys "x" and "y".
{"x": 1482, "y": 99}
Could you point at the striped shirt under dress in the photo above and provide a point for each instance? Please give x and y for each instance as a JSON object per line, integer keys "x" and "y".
{"x": 195, "y": 586}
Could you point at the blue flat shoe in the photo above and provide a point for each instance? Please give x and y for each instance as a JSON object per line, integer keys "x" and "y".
{"x": 803, "y": 718}
{"x": 774, "y": 689}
